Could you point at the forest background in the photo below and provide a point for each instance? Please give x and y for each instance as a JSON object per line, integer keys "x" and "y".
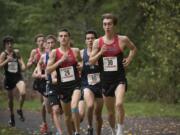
{"x": 153, "y": 26}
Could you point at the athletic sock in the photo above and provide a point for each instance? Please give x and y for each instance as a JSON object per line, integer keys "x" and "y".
{"x": 113, "y": 131}
{"x": 120, "y": 128}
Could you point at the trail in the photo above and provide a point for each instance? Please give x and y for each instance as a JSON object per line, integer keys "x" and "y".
{"x": 133, "y": 125}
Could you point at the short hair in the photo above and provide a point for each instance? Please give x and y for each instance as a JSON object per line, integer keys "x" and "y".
{"x": 110, "y": 16}
{"x": 65, "y": 30}
{"x": 37, "y": 36}
{"x": 51, "y": 37}
{"x": 91, "y": 32}
{"x": 8, "y": 38}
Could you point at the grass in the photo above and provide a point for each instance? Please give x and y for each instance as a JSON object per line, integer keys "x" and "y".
{"x": 31, "y": 105}
{"x": 152, "y": 109}
{"x": 144, "y": 109}
{"x": 10, "y": 131}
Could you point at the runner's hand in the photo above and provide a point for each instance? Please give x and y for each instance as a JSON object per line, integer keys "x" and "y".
{"x": 79, "y": 66}
{"x": 103, "y": 49}
{"x": 9, "y": 58}
{"x": 64, "y": 57}
{"x": 126, "y": 62}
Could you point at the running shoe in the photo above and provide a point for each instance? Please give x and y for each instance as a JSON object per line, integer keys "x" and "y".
{"x": 11, "y": 122}
{"x": 44, "y": 129}
{"x": 90, "y": 131}
{"x": 20, "y": 113}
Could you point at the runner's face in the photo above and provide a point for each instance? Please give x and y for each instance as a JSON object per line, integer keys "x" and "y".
{"x": 108, "y": 25}
{"x": 63, "y": 38}
{"x": 40, "y": 42}
{"x": 50, "y": 43}
{"x": 9, "y": 46}
{"x": 45, "y": 45}
{"x": 89, "y": 40}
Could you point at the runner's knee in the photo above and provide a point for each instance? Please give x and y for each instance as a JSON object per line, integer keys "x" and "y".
{"x": 67, "y": 118}
{"x": 90, "y": 106}
{"x": 23, "y": 93}
{"x": 55, "y": 111}
{"x": 111, "y": 114}
{"x": 98, "y": 117}
{"x": 119, "y": 105}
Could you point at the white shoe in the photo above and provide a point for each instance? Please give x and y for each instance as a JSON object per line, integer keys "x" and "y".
{"x": 120, "y": 132}
{"x": 113, "y": 132}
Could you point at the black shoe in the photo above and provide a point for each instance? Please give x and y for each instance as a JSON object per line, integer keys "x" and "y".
{"x": 20, "y": 113}
{"x": 11, "y": 122}
{"x": 90, "y": 131}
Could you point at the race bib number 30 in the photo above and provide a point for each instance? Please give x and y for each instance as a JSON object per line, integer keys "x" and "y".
{"x": 67, "y": 74}
{"x": 110, "y": 63}
{"x": 93, "y": 78}
{"x": 12, "y": 67}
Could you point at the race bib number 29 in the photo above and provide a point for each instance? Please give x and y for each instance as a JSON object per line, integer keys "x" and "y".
{"x": 67, "y": 74}
{"x": 110, "y": 63}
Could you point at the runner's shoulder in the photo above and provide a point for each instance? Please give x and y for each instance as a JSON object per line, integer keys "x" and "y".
{"x": 75, "y": 49}
{"x": 123, "y": 37}
{"x": 33, "y": 51}
{"x": 53, "y": 52}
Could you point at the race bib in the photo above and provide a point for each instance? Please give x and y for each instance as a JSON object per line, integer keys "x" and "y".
{"x": 93, "y": 78}
{"x": 13, "y": 67}
{"x": 67, "y": 74}
{"x": 110, "y": 63}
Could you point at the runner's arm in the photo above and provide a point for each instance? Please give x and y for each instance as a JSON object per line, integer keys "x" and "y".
{"x": 31, "y": 58}
{"x": 20, "y": 60}
{"x": 34, "y": 74}
{"x": 54, "y": 77}
{"x": 95, "y": 54}
{"x": 81, "y": 54}
{"x": 52, "y": 65}
{"x": 22, "y": 64}
{"x": 3, "y": 61}
{"x": 39, "y": 65}
{"x": 129, "y": 44}
{"x": 78, "y": 58}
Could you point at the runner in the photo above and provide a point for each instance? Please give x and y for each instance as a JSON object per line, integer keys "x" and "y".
{"x": 37, "y": 52}
{"x": 81, "y": 104}
{"x": 38, "y": 84}
{"x": 108, "y": 50}
{"x": 64, "y": 61}
{"x": 91, "y": 85}
{"x": 13, "y": 65}
{"x": 53, "y": 99}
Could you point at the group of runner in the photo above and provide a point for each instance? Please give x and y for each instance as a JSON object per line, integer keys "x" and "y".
{"x": 66, "y": 77}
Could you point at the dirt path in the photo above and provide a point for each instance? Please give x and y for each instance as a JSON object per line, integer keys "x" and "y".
{"x": 133, "y": 125}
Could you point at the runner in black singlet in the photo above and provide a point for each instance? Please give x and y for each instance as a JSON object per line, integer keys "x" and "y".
{"x": 64, "y": 60}
{"x": 13, "y": 65}
{"x": 91, "y": 85}
{"x": 108, "y": 51}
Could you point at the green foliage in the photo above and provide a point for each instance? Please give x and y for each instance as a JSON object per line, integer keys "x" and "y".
{"x": 151, "y": 25}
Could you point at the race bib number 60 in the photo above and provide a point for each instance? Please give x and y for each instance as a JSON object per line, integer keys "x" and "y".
{"x": 110, "y": 63}
{"x": 67, "y": 74}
